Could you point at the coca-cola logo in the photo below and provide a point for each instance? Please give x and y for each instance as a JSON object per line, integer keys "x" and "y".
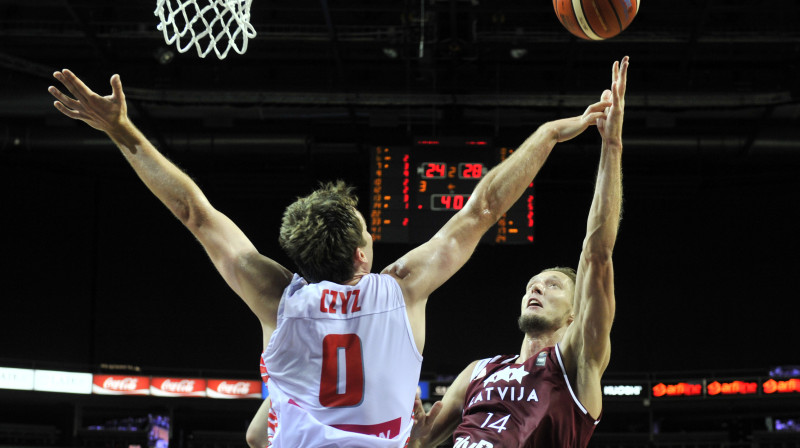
{"x": 121, "y": 384}
{"x": 240, "y": 388}
{"x": 182, "y": 386}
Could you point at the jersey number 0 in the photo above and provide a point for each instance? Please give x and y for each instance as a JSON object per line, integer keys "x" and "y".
{"x": 341, "y": 354}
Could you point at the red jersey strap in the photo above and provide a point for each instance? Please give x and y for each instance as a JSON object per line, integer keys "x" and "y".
{"x": 263, "y": 369}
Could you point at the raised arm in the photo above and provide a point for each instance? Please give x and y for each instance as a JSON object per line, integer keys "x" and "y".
{"x": 425, "y": 268}
{"x": 587, "y": 345}
{"x": 436, "y": 426}
{"x": 255, "y": 278}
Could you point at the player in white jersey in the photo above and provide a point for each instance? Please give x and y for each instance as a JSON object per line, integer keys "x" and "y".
{"x": 327, "y": 238}
{"x": 348, "y": 333}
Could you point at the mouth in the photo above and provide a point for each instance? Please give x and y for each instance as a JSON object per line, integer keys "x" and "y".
{"x": 534, "y": 303}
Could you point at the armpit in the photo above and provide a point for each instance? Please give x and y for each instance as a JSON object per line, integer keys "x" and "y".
{"x": 398, "y": 269}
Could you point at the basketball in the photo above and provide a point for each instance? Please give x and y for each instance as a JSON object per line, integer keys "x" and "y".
{"x": 596, "y": 19}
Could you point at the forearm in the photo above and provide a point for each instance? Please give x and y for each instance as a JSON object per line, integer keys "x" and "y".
{"x": 165, "y": 180}
{"x": 504, "y": 184}
{"x": 606, "y": 209}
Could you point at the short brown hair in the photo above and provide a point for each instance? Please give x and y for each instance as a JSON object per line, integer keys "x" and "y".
{"x": 569, "y": 272}
{"x": 320, "y": 233}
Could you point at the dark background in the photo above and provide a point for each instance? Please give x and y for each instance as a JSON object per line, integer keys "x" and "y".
{"x": 95, "y": 270}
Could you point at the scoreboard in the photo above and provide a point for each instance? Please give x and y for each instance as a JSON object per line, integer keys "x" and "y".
{"x": 415, "y": 189}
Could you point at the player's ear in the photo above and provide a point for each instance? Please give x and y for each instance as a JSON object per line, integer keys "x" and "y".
{"x": 360, "y": 256}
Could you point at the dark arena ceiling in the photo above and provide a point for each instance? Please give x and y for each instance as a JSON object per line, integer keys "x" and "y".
{"x": 719, "y": 77}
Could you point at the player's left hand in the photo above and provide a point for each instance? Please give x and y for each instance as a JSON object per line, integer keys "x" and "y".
{"x": 610, "y": 126}
{"x": 104, "y": 113}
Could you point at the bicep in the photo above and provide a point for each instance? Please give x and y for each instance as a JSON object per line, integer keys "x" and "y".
{"x": 594, "y": 309}
{"x": 257, "y": 279}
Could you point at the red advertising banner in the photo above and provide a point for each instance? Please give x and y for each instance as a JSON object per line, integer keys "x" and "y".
{"x": 233, "y": 389}
{"x": 676, "y": 390}
{"x": 120, "y": 385}
{"x": 782, "y": 387}
{"x": 177, "y": 387}
{"x": 732, "y": 388}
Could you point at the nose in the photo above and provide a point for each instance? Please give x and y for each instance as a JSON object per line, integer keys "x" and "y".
{"x": 537, "y": 288}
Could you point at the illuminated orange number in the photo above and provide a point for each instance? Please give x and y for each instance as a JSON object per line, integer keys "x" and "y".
{"x": 341, "y": 350}
{"x": 434, "y": 170}
{"x": 423, "y": 186}
{"x": 451, "y": 173}
{"x": 472, "y": 170}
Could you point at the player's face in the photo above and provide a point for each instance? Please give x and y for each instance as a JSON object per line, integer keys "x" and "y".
{"x": 367, "y": 248}
{"x": 547, "y": 302}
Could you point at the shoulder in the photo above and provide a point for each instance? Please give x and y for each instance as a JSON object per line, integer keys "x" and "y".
{"x": 381, "y": 282}
{"x": 295, "y": 284}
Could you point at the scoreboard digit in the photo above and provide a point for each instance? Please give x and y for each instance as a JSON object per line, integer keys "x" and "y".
{"x": 416, "y": 188}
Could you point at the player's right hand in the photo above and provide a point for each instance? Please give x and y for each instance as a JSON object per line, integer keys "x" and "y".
{"x": 423, "y": 421}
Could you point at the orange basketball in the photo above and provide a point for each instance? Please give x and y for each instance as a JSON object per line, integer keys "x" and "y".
{"x": 596, "y": 19}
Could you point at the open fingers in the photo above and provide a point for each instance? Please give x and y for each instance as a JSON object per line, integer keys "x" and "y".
{"x": 82, "y": 88}
{"x": 66, "y": 111}
{"x": 593, "y": 117}
{"x": 67, "y": 82}
{"x": 598, "y": 106}
{"x": 75, "y": 86}
{"x": 623, "y": 76}
{"x": 596, "y": 111}
{"x": 64, "y": 99}
{"x": 116, "y": 89}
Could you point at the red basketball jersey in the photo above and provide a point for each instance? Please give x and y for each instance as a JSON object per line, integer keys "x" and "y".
{"x": 523, "y": 405}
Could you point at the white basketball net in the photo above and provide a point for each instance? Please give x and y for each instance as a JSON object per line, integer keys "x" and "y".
{"x": 219, "y": 25}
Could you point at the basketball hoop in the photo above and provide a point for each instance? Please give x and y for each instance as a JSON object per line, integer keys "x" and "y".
{"x": 219, "y": 25}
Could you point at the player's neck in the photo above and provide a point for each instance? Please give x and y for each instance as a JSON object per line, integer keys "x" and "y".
{"x": 362, "y": 267}
{"x": 534, "y": 343}
{"x": 356, "y": 278}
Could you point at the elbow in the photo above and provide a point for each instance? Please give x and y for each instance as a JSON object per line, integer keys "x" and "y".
{"x": 189, "y": 205}
{"x": 182, "y": 211}
{"x": 254, "y": 438}
{"x": 487, "y": 216}
{"x": 185, "y": 212}
{"x": 486, "y": 208}
{"x": 189, "y": 213}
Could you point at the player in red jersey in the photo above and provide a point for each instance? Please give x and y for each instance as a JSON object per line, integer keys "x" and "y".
{"x": 549, "y": 395}
{"x": 328, "y": 239}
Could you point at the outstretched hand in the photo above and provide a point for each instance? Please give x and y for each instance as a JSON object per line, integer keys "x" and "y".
{"x": 570, "y": 128}
{"x": 103, "y": 113}
{"x": 423, "y": 421}
{"x": 610, "y": 126}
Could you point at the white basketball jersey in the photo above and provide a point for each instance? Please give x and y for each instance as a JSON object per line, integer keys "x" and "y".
{"x": 343, "y": 366}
